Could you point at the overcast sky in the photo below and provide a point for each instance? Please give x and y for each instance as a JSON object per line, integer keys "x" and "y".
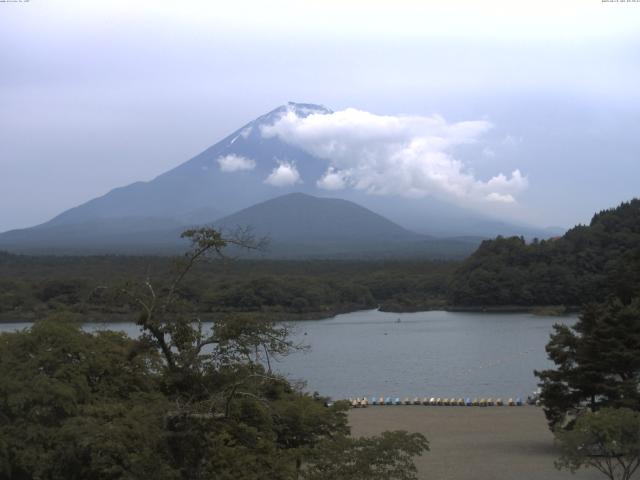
{"x": 95, "y": 95}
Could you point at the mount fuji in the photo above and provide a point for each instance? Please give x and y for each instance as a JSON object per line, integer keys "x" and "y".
{"x": 245, "y": 169}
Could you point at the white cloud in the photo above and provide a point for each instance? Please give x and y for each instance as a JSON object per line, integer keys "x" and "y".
{"x": 394, "y": 155}
{"x": 501, "y": 182}
{"x": 333, "y": 180}
{"x": 235, "y": 163}
{"x": 500, "y": 198}
{"x": 284, "y": 175}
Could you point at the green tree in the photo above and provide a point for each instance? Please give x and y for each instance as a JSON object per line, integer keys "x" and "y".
{"x": 587, "y": 264}
{"x": 597, "y": 362}
{"x": 386, "y": 457}
{"x": 75, "y": 405}
{"x": 182, "y": 401}
{"x": 607, "y": 440}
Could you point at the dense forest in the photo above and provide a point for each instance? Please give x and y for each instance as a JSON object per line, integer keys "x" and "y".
{"x": 587, "y": 264}
{"x": 31, "y": 286}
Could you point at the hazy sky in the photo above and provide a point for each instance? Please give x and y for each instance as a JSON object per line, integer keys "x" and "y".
{"x": 99, "y": 94}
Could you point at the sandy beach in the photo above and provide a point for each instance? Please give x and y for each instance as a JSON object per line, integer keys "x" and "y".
{"x": 473, "y": 443}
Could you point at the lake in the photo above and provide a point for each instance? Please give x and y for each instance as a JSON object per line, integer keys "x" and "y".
{"x": 433, "y": 354}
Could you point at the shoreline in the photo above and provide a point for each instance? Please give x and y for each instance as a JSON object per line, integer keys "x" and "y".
{"x": 116, "y": 317}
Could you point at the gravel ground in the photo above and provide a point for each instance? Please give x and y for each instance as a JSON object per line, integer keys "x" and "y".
{"x": 473, "y": 443}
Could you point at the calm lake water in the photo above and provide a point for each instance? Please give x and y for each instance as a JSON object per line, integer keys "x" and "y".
{"x": 439, "y": 354}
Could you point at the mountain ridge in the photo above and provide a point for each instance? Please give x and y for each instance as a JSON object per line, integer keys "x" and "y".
{"x": 297, "y": 226}
{"x": 200, "y": 191}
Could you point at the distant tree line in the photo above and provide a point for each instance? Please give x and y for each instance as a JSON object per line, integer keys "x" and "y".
{"x": 588, "y": 263}
{"x": 33, "y": 286}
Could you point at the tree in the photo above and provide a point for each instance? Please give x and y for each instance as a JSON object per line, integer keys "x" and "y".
{"x": 597, "y": 362}
{"x": 75, "y": 405}
{"x": 180, "y": 402}
{"x": 588, "y": 263}
{"x": 386, "y": 457}
{"x": 607, "y": 440}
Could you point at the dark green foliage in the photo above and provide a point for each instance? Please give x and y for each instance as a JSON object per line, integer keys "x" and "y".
{"x": 387, "y": 457}
{"x": 78, "y": 406}
{"x": 586, "y": 264}
{"x": 607, "y": 440}
{"x": 598, "y": 361}
{"x": 35, "y": 286}
{"x": 179, "y": 402}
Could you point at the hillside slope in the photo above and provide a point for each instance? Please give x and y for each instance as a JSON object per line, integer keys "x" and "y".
{"x": 300, "y": 225}
{"x": 586, "y": 264}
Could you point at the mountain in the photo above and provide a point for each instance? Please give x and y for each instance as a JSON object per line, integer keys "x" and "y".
{"x": 127, "y": 235}
{"x": 300, "y": 225}
{"x": 201, "y": 182}
{"x": 299, "y": 217}
{"x": 228, "y": 177}
{"x": 295, "y": 225}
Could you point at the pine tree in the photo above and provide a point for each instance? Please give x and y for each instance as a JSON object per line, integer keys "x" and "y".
{"x": 598, "y": 361}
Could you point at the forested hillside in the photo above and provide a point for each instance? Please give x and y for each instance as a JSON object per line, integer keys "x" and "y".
{"x": 586, "y": 264}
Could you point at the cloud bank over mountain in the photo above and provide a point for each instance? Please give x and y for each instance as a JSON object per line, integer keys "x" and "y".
{"x": 411, "y": 156}
{"x": 247, "y": 169}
